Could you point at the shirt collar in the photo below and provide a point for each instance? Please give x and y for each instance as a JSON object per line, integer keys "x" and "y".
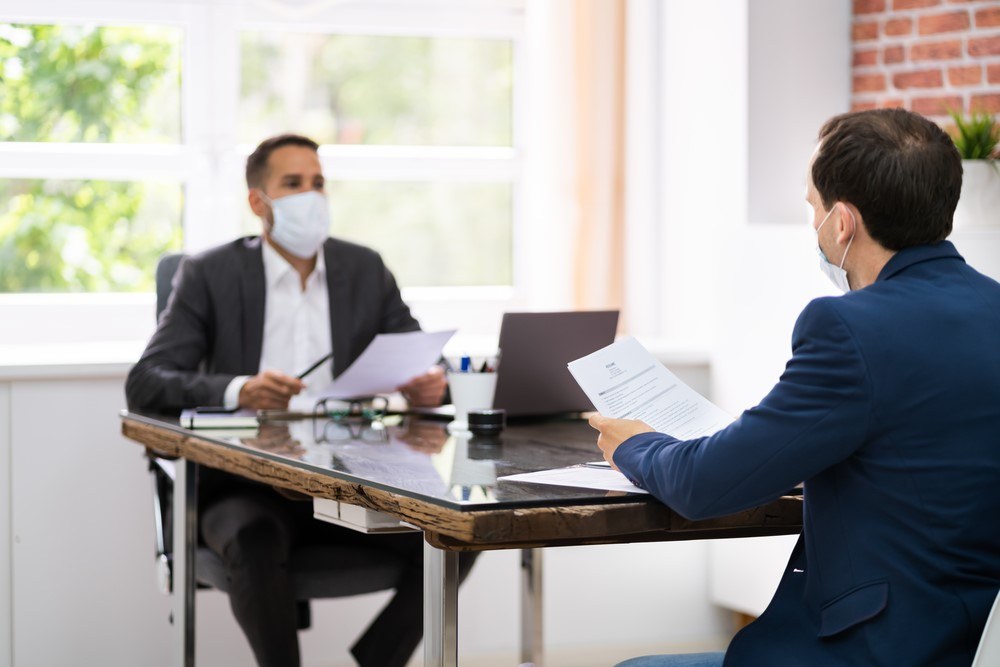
{"x": 907, "y": 257}
{"x": 277, "y": 267}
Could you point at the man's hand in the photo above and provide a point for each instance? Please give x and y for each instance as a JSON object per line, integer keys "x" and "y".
{"x": 269, "y": 390}
{"x": 614, "y": 432}
{"x": 425, "y": 390}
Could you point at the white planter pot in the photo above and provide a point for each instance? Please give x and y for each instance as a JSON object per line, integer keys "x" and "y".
{"x": 979, "y": 205}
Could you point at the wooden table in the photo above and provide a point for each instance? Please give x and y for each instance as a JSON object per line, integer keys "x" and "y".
{"x": 445, "y": 485}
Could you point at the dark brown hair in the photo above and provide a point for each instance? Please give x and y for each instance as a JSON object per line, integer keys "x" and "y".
{"x": 257, "y": 162}
{"x": 899, "y": 169}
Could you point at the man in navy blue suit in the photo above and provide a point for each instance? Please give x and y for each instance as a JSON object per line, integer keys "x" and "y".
{"x": 889, "y": 411}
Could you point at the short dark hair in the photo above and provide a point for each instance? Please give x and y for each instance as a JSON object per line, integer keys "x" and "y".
{"x": 899, "y": 169}
{"x": 257, "y": 162}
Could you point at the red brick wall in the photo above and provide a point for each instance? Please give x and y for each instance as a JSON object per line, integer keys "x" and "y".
{"x": 927, "y": 55}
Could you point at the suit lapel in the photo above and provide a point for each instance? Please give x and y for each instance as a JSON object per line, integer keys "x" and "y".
{"x": 338, "y": 290}
{"x": 253, "y": 293}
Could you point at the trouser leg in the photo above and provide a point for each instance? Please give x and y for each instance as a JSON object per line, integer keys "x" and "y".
{"x": 250, "y": 532}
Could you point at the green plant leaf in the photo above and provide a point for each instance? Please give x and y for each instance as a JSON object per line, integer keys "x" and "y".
{"x": 976, "y": 136}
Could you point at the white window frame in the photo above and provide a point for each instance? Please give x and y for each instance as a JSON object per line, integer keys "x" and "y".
{"x": 209, "y": 159}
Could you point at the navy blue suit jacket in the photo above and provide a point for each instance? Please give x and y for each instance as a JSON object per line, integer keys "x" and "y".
{"x": 889, "y": 410}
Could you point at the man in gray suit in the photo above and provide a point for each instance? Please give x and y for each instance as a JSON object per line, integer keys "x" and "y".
{"x": 243, "y": 320}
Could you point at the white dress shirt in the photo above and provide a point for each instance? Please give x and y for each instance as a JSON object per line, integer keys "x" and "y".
{"x": 296, "y": 324}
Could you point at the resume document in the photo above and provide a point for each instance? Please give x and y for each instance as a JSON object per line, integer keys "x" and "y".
{"x": 624, "y": 381}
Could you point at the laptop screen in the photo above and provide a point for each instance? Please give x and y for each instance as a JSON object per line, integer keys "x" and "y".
{"x": 532, "y": 378}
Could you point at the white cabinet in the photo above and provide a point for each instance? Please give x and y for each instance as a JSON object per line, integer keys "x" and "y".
{"x": 743, "y": 574}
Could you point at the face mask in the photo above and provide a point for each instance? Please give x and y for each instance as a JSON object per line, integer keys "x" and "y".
{"x": 835, "y": 273}
{"x": 301, "y": 222}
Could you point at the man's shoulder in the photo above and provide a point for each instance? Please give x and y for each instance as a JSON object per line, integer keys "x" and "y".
{"x": 347, "y": 253}
{"x": 225, "y": 258}
{"x": 228, "y": 251}
{"x": 820, "y": 313}
{"x": 856, "y": 310}
{"x": 844, "y": 316}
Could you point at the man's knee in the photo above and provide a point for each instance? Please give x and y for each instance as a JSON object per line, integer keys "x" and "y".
{"x": 246, "y": 531}
{"x": 261, "y": 542}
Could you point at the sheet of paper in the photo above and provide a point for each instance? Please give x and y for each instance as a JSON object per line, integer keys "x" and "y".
{"x": 603, "y": 478}
{"x": 388, "y": 362}
{"x": 625, "y": 381}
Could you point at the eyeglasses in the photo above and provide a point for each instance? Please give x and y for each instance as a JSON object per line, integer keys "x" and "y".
{"x": 359, "y": 421}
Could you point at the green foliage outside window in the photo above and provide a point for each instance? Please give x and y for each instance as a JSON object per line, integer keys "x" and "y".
{"x": 73, "y": 83}
{"x": 85, "y": 236}
{"x": 92, "y": 85}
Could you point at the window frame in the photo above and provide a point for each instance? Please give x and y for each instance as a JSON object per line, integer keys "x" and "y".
{"x": 208, "y": 159}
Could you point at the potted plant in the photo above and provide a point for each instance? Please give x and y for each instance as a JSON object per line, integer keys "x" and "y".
{"x": 976, "y": 138}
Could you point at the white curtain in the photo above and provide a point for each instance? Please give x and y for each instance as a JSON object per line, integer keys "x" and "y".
{"x": 575, "y": 152}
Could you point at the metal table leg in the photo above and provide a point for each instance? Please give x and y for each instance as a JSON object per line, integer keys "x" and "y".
{"x": 185, "y": 531}
{"x": 440, "y": 607}
{"x": 531, "y": 607}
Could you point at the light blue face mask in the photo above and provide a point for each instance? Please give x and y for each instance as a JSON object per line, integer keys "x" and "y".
{"x": 835, "y": 273}
{"x": 301, "y": 222}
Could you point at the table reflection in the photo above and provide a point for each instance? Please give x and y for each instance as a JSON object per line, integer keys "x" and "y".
{"x": 417, "y": 457}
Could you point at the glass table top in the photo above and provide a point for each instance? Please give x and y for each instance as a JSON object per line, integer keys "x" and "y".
{"x": 419, "y": 458}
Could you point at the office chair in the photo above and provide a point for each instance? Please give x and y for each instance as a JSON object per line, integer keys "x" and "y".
{"x": 326, "y": 571}
{"x": 988, "y": 654}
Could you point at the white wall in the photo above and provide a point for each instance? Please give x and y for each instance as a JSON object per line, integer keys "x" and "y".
{"x": 740, "y": 267}
{"x": 981, "y": 249}
{"x": 799, "y": 70}
{"x": 83, "y": 572}
{"x": 6, "y": 648}
{"x": 82, "y": 534}
{"x": 765, "y": 260}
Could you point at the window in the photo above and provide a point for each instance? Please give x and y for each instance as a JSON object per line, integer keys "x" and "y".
{"x": 87, "y": 86}
{"x": 396, "y": 99}
{"x": 426, "y": 113}
{"x": 124, "y": 128}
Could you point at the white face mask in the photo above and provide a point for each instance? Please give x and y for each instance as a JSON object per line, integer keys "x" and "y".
{"x": 301, "y": 222}
{"x": 835, "y": 273}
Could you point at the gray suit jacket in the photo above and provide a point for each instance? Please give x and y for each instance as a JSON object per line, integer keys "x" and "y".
{"x": 213, "y": 326}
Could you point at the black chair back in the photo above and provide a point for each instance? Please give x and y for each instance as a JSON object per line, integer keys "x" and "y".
{"x": 165, "y": 270}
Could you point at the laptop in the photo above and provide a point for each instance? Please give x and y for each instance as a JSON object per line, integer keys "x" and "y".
{"x": 532, "y": 378}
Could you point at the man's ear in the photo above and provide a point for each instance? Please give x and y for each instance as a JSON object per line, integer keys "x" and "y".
{"x": 257, "y": 203}
{"x": 848, "y": 222}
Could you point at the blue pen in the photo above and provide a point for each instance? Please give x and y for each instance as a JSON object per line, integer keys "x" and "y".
{"x": 466, "y": 364}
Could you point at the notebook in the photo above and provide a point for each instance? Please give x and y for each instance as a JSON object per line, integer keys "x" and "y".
{"x": 532, "y": 378}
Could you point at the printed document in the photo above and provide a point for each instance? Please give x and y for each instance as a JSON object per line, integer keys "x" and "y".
{"x": 585, "y": 476}
{"x": 624, "y": 381}
{"x": 389, "y": 361}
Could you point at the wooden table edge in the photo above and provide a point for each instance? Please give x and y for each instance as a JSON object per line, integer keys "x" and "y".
{"x": 446, "y": 528}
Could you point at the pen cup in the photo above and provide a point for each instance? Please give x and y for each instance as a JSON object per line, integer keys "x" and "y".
{"x": 470, "y": 391}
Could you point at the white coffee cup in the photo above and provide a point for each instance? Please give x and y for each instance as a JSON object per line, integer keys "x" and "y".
{"x": 470, "y": 391}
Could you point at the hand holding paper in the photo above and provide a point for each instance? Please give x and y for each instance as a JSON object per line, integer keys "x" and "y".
{"x": 425, "y": 390}
{"x": 389, "y": 362}
{"x": 614, "y": 432}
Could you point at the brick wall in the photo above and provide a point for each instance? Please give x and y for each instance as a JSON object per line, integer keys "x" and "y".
{"x": 927, "y": 55}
